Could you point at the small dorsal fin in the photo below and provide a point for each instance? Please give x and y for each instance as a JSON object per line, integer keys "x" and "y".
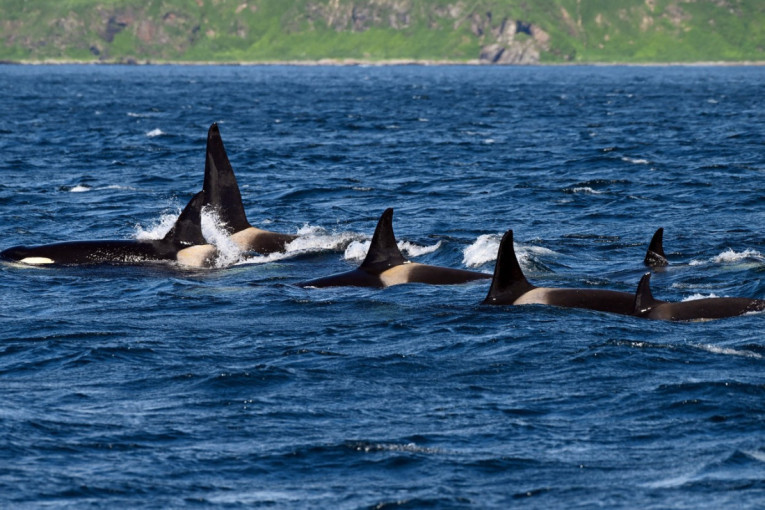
{"x": 188, "y": 227}
{"x": 655, "y": 257}
{"x": 221, "y": 190}
{"x": 383, "y": 251}
{"x": 644, "y": 299}
{"x": 509, "y": 282}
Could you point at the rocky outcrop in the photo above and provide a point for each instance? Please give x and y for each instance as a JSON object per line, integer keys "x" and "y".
{"x": 503, "y": 40}
{"x": 509, "y": 41}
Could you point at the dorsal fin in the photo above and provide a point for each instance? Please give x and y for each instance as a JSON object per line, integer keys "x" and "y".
{"x": 221, "y": 190}
{"x": 509, "y": 282}
{"x": 655, "y": 257}
{"x": 383, "y": 251}
{"x": 188, "y": 227}
{"x": 644, "y": 299}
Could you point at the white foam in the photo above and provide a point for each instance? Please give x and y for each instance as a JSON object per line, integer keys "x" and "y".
{"x": 314, "y": 239}
{"x": 587, "y": 190}
{"x": 159, "y": 229}
{"x": 311, "y": 239}
{"x": 728, "y": 351}
{"x": 214, "y": 233}
{"x": 635, "y": 161}
{"x": 483, "y": 250}
{"x": 697, "y": 296}
{"x": 155, "y": 132}
{"x": 394, "y": 447}
{"x": 414, "y": 250}
{"x": 357, "y": 250}
{"x": 730, "y": 256}
{"x": 81, "y": 188}
{"x": 117, "y": 186}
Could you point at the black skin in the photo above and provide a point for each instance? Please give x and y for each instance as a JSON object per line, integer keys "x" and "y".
{"x": 698, "y": 309}
{"x": 186, "y": 232}
{"x": 509, "y": 284}
{"x": 383, "y": 255}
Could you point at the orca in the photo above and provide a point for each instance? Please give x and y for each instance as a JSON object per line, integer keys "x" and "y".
{"x": 509, "y": 286}
{"x": 655, "y": 257}
{"x": 221, "y": 192}
{"x": 385, "y": 266}
{"x": 694, "y": 310}
{"x": 184, "y": 244}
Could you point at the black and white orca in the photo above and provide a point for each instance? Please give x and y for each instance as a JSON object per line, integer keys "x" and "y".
{"x": 694, "y": 310}
{"x": 509, "y": 286}
{"x": 184, "y": 244}
{"x": 385, "y": 265}
{"x": 221, "y": 192}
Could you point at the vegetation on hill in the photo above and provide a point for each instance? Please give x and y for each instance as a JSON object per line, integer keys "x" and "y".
{"x": 495, "y": 31}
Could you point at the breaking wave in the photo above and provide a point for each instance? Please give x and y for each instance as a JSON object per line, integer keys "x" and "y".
{"x": 730, "y": 256}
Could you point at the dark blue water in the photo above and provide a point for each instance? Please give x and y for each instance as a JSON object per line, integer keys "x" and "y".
{"x": 231, "y": 387}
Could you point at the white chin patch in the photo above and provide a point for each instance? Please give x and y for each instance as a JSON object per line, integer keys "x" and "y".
{"x": 36, "y": 261}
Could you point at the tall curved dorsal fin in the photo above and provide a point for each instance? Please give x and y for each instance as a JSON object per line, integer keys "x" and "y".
{"x": 655, "y": 257}
{"x": 187, "y": 230}
{"x": 644, "y": 299}
{"x": 509, "y": 282}
{"x": 220, "y": 188}
{"x": 383, "y": 251}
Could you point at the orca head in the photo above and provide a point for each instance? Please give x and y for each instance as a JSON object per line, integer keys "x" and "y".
{"x": 27, "y": 255}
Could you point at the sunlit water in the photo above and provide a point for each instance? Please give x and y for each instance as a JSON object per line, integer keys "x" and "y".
{"x": 159, "y": 387}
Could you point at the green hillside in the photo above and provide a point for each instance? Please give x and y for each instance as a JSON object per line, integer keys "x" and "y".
{"x": 492, "y": 31}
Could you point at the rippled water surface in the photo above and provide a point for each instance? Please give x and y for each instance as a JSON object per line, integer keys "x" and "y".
{"x": 159, "y": 387}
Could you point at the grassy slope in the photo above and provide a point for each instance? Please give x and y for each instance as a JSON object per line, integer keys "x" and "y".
{"x": 254, "y": 30}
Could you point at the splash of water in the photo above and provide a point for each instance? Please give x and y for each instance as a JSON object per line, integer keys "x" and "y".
{"x": 357, "y": 250}
{"x": 214, "y": 232}
{"x": 730, "y": 256}
{"x": 159, "y": 229}
{"x": 311, "y": 239}
{"x": 155, "y": 132}
{"x": 484, "y": 250}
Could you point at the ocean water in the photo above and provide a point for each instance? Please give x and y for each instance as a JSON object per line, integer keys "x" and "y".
{"x": 156, "y": 387}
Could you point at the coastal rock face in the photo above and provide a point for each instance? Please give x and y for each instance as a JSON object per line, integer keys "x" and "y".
{"x": 517, "y": 42}
{"x": 485, "y": 31}
{"x": 502, "y": 40}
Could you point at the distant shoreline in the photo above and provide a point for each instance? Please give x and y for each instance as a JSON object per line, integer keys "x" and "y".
{"x": 332, "y": 62}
